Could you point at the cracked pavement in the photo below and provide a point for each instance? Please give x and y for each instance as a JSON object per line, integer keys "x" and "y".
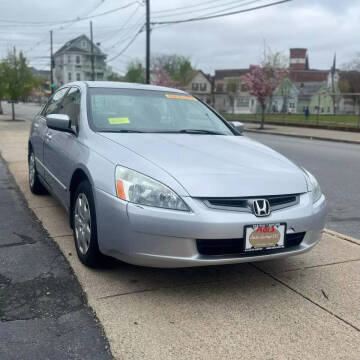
{"x": 43, "y": 310}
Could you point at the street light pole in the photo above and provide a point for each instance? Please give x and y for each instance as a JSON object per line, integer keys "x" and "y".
{"x": 51, "y": 63}
{"x": 92, "y": 53}
{"x": 147, "y": 41}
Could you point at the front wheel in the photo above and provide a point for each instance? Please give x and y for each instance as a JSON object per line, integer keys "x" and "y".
{"x": 84, "y": 221}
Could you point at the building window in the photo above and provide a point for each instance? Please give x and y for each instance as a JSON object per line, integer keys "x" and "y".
{"x": 83, "y": 44}
{"x": 78, "y": 59}
{"x": 195, "y": 86}
{"x": 78, "y": 77}
{"x": 69, "y": 76}
{"x": 291, "y": 105}
{"x": 69, "y": 59}
{"x": 242, "y": 102}
{"x": 203, "y": 87}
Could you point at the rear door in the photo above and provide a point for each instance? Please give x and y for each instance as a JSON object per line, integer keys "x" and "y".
{"x": 60, "y": 147}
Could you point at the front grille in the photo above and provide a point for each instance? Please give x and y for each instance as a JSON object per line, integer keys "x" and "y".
{"x": 236, "y": 246}
{"x": 243, "y": 204}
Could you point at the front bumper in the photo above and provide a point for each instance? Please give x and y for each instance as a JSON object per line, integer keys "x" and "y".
{"x": 165, "y": 238}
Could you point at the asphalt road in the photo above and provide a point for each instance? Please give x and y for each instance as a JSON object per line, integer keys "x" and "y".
{"x": 337, "y": 168}
{"x": 43, "y": 310}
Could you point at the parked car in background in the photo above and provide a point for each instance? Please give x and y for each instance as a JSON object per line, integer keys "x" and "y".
{"x": 153, "y": 176}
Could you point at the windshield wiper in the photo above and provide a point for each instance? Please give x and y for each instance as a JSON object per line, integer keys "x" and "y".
{"x": 122, "y": 131}
{"x": 200, "y": 131}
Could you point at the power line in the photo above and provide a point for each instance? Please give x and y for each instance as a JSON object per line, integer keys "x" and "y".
{"x": 49, "y": 23}
{"x": 219, "y": 15}
{"x": 128, "y": 45}
{"x": 79, "y": 19}
{"x": 124, "y": 24}
{"x": 185, "y": 7}
{"x": 238, "y": 2}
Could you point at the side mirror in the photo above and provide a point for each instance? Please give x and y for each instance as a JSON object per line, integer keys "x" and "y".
{"x": 239, "y": 126}
{"x": 60, "y": 122}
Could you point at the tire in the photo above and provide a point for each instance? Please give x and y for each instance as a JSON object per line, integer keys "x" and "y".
{"x": 84, "y": 226}
{"x": 36, "y": 186}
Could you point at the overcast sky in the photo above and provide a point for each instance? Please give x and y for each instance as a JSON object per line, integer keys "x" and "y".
{"x": 322, "y": 26}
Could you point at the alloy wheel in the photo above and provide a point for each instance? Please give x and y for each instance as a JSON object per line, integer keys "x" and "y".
{"x": 82, "y": 223}
{"x": 32, "y": 169}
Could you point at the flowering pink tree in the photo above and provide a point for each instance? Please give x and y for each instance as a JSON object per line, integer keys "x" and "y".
{"x": 160, "y": 77}
{"x": 261, "y": 82}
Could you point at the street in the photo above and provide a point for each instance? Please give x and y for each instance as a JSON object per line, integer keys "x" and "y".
{"x": 336, "y": 166}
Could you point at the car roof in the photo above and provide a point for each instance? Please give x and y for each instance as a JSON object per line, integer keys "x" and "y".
{"x": 125, "y": 85}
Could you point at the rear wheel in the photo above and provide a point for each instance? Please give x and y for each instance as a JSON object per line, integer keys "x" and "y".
{"x": 36, "y": 186}
{"x": 84, "y": 220}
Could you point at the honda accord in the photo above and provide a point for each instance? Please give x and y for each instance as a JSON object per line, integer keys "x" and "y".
{"x": 153, "y": 176}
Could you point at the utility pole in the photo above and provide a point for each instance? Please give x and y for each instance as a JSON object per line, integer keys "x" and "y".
{"x": 92, "y": 53}
{"x": 147, "y": 41}
{"x": 51, "y": 63}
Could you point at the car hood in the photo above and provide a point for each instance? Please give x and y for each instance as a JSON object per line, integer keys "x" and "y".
{"x": 217, "y": 166}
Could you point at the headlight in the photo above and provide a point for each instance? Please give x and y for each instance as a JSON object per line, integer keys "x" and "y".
{"x": 315, "y": 187}
{"x": 141, "y": 189}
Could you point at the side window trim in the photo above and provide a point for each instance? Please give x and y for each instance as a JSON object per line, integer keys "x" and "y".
{"x": 43, "y": 113}
{"x": 77, "y": 127}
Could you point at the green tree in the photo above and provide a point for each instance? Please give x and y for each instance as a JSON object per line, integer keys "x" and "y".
{"x": 113, "y": 76}
{"x": 178, "y": 67}
{"x": 135, "y": 72}
{"x": 18, "y": 78}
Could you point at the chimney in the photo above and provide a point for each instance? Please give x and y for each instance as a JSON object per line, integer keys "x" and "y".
{"x": 299, "y": 59}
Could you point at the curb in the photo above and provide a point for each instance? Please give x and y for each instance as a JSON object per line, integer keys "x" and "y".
{"x": 303, "y": 136}
{"x": 342, "y": 236}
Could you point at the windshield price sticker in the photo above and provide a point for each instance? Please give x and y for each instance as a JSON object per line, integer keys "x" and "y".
{"x": 180, "y": 97}
{"x": 118, "y": 121}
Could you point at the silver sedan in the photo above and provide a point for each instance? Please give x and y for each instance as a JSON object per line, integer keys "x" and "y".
{"x": 153, "y": 176}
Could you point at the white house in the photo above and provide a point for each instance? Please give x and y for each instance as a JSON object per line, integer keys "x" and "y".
{"x": 73, "y": 62}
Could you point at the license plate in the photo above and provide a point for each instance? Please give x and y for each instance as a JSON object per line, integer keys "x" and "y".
{"x": 264, "y": 237}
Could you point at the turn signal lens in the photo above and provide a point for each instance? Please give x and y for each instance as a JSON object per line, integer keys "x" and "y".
{"x": 120, "y": 189}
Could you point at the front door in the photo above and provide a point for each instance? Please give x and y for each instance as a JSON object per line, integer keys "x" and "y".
{"x": 60, "y": 147}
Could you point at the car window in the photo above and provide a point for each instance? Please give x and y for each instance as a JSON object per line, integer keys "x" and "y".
{"x": 70, "y": 105}
{"x": 53, "y": 105}
{"x": 119, "y": 110}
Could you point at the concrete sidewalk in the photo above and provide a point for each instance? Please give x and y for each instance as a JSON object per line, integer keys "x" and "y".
{"x": 23, "y": 111}
{"x": 310, "y": 133}
{"x": 305, "y": 307}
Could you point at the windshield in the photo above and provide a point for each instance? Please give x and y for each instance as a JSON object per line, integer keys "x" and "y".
{"x": 131, "y": 110}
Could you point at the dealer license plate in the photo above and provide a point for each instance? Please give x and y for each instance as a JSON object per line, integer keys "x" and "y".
{"x": 264, "y": 237}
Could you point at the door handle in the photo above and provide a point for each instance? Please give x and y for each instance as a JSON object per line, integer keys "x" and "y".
{"x": 36, "y": 125}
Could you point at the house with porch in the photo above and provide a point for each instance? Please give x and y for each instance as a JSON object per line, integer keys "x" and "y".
{"x": 73, "y": 62}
